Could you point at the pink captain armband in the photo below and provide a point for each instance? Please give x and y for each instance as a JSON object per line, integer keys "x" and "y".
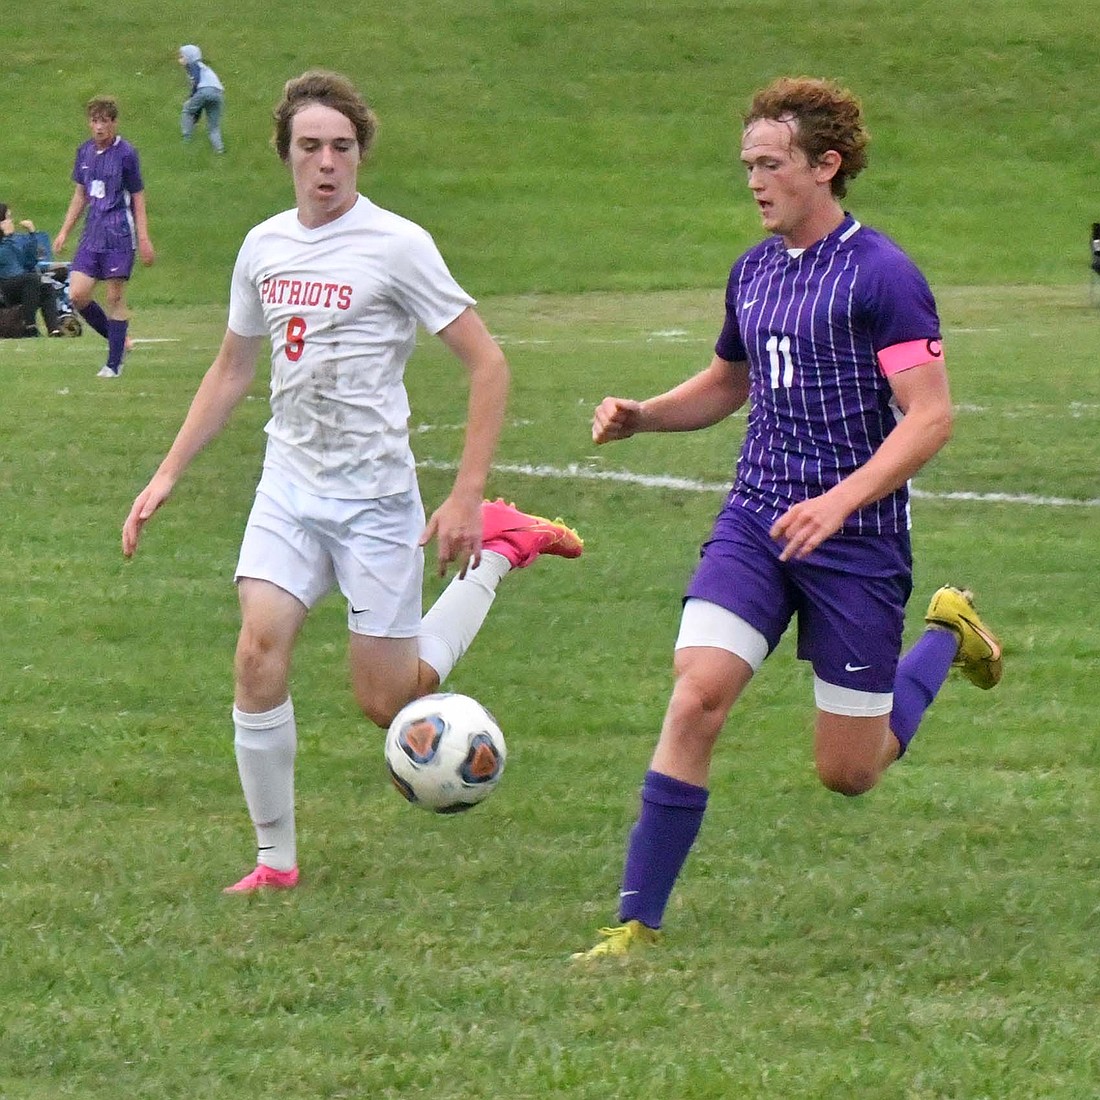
{"x": 913, "y": 353}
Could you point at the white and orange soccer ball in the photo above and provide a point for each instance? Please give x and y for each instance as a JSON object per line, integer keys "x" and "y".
{"x": 445, "y": 752}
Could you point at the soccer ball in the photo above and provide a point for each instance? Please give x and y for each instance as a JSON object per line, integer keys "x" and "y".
{"x": 445, "y": 752}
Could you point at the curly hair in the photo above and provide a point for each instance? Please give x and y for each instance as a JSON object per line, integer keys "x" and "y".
{"x": 331, "y": 90}
{"x": 827, "y": 116}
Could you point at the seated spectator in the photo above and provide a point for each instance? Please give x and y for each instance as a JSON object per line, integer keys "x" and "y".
{"x": 20, "y": 281}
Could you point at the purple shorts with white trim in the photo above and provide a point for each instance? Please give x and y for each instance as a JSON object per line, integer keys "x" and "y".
{"x": 848, "y": 595}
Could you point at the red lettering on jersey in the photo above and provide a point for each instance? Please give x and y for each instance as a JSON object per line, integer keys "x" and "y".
{"x": 298, "y": 292}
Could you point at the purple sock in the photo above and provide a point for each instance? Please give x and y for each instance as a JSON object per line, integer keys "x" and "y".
{"x": 116, "y": 342}
{"x": 667, "y": 826}
{"x": 94, "y": 315}
{"x": 921, "y": 673}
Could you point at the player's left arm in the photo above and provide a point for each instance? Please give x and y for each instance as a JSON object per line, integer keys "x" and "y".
{"x": 923, "y": 395}
{"x": 141, "y": 224}
{"x": 456, "y": 523}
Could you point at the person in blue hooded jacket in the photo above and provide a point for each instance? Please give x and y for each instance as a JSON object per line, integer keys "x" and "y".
{"x": 207, "y": 94}
{"x": 20, "y": 283}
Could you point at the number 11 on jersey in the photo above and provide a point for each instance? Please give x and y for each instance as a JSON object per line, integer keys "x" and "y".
{"x": 779, "y": 357}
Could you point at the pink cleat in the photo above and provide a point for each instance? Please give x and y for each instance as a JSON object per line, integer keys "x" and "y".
{"x": 264, "y": 878}
{"x": 522, "y": 538}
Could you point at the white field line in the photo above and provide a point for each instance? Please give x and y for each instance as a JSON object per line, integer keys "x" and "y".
{"x": 576, "y": 472}
{"x": 609, "y": 341}
{"x": 667, "y": 335}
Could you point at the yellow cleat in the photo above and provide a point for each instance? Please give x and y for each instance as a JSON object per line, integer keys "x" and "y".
{"x": 621, "y": 939}
{"x": 979, "y": 655}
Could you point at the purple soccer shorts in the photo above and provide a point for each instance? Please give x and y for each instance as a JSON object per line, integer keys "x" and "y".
{"x": 116, "y": 263}
{"x": 848, "y": 595}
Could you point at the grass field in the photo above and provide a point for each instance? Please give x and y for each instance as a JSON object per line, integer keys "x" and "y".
{"x": 574, "y": 145}
{"x": 934, "y": 940}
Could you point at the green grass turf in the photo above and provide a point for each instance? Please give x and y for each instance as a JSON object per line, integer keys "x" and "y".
{"x": 932, "y": 939}
{"x": 555, "y": 146}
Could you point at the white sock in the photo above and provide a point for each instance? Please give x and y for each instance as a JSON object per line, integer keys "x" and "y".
{"x": 265, "y": 745}
{"x": 454, "y": 619}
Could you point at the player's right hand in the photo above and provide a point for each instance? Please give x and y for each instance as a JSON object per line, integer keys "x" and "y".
{"x": 616, "y": 418}
{"x": 456, "y": 527}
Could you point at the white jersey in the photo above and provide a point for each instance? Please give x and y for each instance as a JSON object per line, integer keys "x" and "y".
{"x": 341, "y": 304}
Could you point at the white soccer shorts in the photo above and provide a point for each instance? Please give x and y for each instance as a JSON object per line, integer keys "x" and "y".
{"x": 369, "y": 549}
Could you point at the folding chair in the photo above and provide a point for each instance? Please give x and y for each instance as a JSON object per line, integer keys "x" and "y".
{"x": 56, "y": 276}
{"x": 1094, "y": 262}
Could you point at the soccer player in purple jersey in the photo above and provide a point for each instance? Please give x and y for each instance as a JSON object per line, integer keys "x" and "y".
{"x": 107, "y": 175}
{"x": 832, "y": 338}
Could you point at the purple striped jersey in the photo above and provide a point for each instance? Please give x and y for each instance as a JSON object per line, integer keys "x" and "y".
{"x": 821, "y": 331}
{"x": 109, "y": 177}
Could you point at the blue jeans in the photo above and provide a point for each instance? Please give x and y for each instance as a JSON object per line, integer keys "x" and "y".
{"x": 210, "y": 100}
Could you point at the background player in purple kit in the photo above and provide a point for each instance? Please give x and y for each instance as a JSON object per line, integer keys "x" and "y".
{"x": 107, "y": 174}
{"x": 832, "y": 337}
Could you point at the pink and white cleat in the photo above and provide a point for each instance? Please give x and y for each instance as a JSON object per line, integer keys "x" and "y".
{"x": 264, "y": 878}
{"x": 522, "y": 538}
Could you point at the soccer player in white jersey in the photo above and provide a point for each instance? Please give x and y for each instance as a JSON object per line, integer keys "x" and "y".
{"x": 339, "y": 285}
{"x": 831, "y": 336}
